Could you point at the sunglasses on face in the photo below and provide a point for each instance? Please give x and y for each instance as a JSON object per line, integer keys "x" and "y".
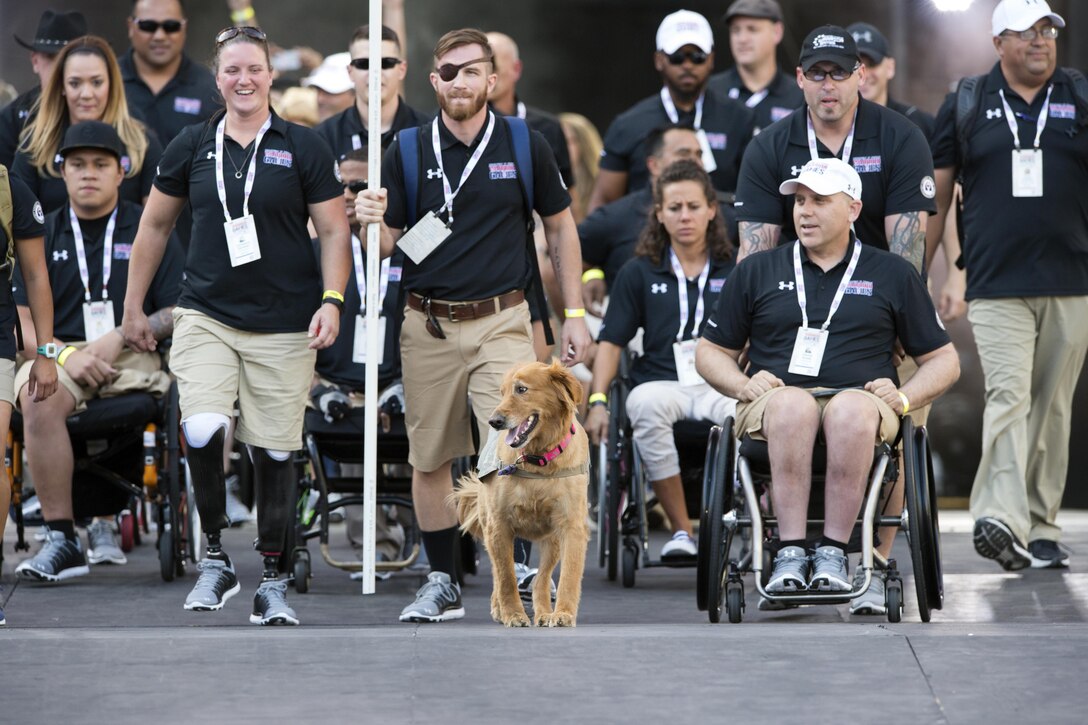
{"x": 364, "y": 63}
{"x": 817, "y": 75}
{"x": 356, "y": 186}
{"x": 249, "y": 31}
{"x": 152, "y": 26}
{"x": 697, "y": 57}
{"x": 449, "y": 71}
{"x": 1049, "y": 32}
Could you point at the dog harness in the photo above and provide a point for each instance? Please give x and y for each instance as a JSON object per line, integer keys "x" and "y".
{"x": 544, "y": 460}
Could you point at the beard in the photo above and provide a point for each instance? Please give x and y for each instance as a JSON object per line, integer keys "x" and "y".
{"x": 461, "y": 112}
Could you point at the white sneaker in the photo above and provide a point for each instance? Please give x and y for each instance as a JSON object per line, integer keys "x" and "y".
{"x": 102, "y": 545}
{"x": 681, "y": 544}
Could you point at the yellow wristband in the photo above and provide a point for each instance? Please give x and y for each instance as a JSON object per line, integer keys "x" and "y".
{"x": 591, "y": 274}
{"x": 906, "y": 402}
{"x": 598, "y": 398}
{"x": 64, "y": 355}
{"x": 333, "y": 294}
{"x": 575, "y": 312}
{"x": 241, "y": 16}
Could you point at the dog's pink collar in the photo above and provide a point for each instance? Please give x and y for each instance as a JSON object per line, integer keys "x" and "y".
{"x": 540, "y": 460}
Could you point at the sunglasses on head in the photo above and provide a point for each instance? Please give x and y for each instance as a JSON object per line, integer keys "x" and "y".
{"x": 356, "y": 186}
{"x": 152, "y": 26}
{"x": 449, "y": 71}
{"x": 817, "y": 75}
{"x": 233, "y": 32}
{"x": 697, "y": 57}
{"x": 364, "y": 63}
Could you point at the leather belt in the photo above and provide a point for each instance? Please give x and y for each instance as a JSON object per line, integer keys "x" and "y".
{"x": 461, "y": 311}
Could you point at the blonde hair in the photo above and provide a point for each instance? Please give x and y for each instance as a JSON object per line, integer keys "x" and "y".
{"x": 42, "y": 139}
{"x": 589, "y": 144}
{"x": 298, "y": 105}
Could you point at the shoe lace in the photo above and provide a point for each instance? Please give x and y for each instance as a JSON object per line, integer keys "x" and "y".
{"x": 99, "y": 533}
{"x": 210, "y": 573}
{"x": 275, "y": 594}
{"x": 53, "y": 550}
{"x": 824, "y": 561}
{"x": 437, "y": 590}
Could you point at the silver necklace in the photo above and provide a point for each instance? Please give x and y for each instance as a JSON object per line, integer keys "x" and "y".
{"x": 245, "y": 159}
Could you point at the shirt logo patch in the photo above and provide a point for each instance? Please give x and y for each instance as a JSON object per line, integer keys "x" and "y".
{"x": 866, "y": 164}
{"x": 859, "y": 287}
{"x": 122, "y": 251}
{"x": 278, "y": 158}
{"x": 795, "y": 170}
{"x": 659, "y": 288}
{"x": 778, "y": 113}
{"x": 394, "y": 274}
{"x": 434, "y": 173}
{"x": 187, "y": 105}
{"x": 1063, "y": 110}
{"x": 39, "y": 215}
{"x": 992, "y": 113}
{"x": 734, "y": 93}
{"x": 826, "y": 40}
{"x": 504, "y": 170}
{"x": 716, "y": 141}
{"x": 785, "y": 285}
{"x": 928, "y": 187}
{"x": 716, "y": 285}
{"x": 126, "y": 164}
{"x": 60, "y": 254}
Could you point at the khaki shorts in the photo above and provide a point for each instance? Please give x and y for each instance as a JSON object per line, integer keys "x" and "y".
{"x": 138, "y": 372}
{"x": 7, "y": 381}
{"x": 906, "y": 371}
{"x": 441, "y": 375}
{"x": 750, "y": 415}
{"x": 267, "y": 373}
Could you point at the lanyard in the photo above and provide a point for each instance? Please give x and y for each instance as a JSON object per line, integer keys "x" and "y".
{"x": 81, "y": 255}
{"x": 1039, "y": 125}
{"x": 473, "y": 160}
{"x": 250, "y": 175}
{"x": 359, "y": 258}
{"x": 757, "y": 98}
{"x": 674, "y": 115}
{"x": 682, "y": 289}
{"x": 521, "y": 110}
{"x": 847, "y": 145}
{"x": 800, "y": 279}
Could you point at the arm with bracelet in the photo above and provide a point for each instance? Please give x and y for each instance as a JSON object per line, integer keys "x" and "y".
{"x": 606, "y": 366}
{"x": 335, "y": 235}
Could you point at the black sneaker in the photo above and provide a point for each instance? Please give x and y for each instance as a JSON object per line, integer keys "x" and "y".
{"x": 59, "y": 558}
{"x": 1047, "y": 554}
{"x": 995, "y": 540}
{"x": 270, "y": 604}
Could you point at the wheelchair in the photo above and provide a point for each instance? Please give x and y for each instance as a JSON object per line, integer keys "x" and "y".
{"x": 128, "y": 459}
{"x": 623, "y": 530}
{"x": 734, "y": 531}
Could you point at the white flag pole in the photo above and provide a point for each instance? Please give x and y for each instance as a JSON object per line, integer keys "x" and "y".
{"x": 373, "y": 271}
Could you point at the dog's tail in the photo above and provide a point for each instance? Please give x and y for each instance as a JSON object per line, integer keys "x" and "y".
{"x": 467, "y": 499}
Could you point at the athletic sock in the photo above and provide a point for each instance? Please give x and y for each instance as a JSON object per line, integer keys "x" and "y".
{"x": 443, "y": 551}
{"x": 837, "y": 544}
{"x": 66, "y": 526}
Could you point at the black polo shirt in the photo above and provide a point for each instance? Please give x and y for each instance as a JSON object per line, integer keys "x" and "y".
{"x": 13, "y": 119}
{"x": 885, "y": 300}
{"x": 68, "y": 292}
{"x": 189, "y": 97}
{"x": 610, "y": 233}
{"x": 924, "y": 121}
{"x": 485, "y": 255}
{"x": 1021, "y": 247}
{"x": 346, "y": 131}
{"x": 646, "y": 295}
{"x": 783, "y": 95}
{"x": 26, "y": 223}
{"x": 53, "y": 194}
{"x": 728, "y": 124}
{"x": 280, "y": 291}
{"x": 890, "y": 154}
{"x": 334, "y": 362}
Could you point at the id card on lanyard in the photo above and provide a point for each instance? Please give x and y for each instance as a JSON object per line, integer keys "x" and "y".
{"x": 431, "y": 231}
{"x": 98, "y": 318}
{"x": 683, "y": 351}
{"x": 241, "y": 233}
{"x": 1027, "y": 164}
{"x": 808, "y": 348}
{"x": 358, "y": 350}
{"x": 709, "y": 164}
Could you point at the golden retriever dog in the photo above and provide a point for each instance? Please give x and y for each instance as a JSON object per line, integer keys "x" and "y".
{"x": 539, "y": 494}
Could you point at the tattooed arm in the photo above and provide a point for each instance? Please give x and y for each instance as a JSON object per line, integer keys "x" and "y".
{"x": 757, "y": 237}
{"x": 907, "y": 236}
{"x": 162, "y": 323}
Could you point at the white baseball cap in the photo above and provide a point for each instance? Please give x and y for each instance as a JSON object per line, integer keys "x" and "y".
{"x": 332, "y": 75}
{"x": 826, "y": 177}
{"x": 682, "y": 28}
{"x": 1022, "y": 14}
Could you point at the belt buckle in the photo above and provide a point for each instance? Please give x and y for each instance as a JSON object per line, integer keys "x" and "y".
{"x": 451, "y": 312}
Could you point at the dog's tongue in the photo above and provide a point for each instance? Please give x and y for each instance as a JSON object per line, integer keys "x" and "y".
{"x": 511, "y": 435}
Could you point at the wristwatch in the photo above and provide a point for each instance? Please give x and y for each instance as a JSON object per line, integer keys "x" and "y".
{"x": 50, "y": 350}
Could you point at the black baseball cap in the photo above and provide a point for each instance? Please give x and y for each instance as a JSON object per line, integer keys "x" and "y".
{"x": 92, "y": 135}
{"x": 55, "y": 30}
{"x": 870, "y": 41}
{"x": 829, "y": 43}
{"x": 768, "y": 9}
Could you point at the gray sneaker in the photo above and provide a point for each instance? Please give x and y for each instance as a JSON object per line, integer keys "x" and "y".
{"x": 237, "y": 512}
{"x": 790, "y": 572}
{"x": 526, "y": 577}
{"x": 873, "y": 601}
{"x": 102, "y": 545}
{"x": 270, "y": 604}
{"x": 216, "y": 584}
{"x": 829, "y": 570}
{"x": 58, "y": 559}
{"x": 436, "y": 601}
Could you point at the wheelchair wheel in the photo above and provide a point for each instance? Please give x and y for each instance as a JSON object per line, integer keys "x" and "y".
{"x": 166, "y": 554}
{"x": 702, "y": 564}
{"x": 921, "y": 521}
{"x": 719, "y": 538}
{"x": 630, "y": 564}
{"x": 301, "y": 570}
{"x": 126, "y": 522}
{"x": 601, "y": 479}
{"x": 734, "y": 601}
{"x": 893, "y": 599}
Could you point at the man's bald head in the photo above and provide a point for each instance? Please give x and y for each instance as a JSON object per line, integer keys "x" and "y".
{"x": 507, "y": 66}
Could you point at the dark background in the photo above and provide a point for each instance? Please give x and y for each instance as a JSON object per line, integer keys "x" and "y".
{"x": 594, "y": 57}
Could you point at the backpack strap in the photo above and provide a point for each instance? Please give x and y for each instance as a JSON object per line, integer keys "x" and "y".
{"x": 967, "y": 102}
{"x": 1080, "y": 93}
{"x": 523, "y": 156}
{"x": 408, "y": 143}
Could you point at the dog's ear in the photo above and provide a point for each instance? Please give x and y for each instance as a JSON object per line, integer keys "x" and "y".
{"x": 565, "y": 379}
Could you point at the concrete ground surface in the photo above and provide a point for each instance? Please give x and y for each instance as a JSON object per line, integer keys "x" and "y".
{"x": 116, "y": 647}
